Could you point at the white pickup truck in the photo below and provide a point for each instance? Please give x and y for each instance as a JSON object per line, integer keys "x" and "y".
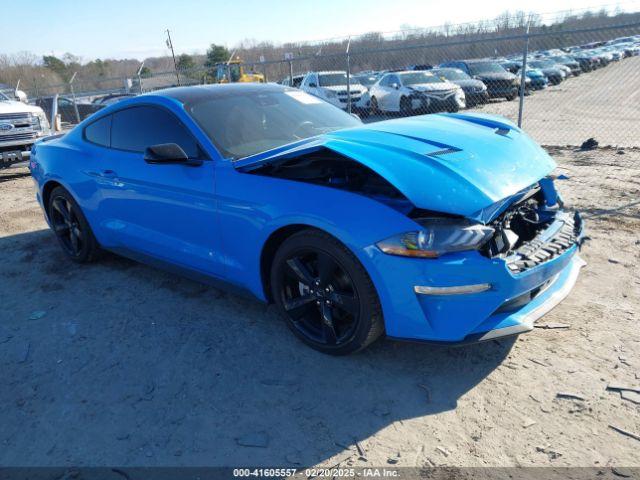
{"x": 20, "y": 126}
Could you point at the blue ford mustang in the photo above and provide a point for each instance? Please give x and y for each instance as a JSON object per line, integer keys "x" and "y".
{"x": 443, "y": 228}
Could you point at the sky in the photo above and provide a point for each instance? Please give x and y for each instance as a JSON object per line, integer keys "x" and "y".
{"x": 136, "y": 29}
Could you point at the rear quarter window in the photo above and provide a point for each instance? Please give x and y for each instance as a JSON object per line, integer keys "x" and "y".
{"x": 99, "y": 132}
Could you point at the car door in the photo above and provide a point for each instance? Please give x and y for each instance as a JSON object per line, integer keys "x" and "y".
{"x": 164, "y": 211}
{"x": 382, "y": 93}
{"x": 311, "y": 84}
{"x": 393, "y": 97}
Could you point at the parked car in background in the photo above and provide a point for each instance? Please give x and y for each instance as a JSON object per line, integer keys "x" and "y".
{"x": 587, "y": 62}
{"x": 550, "y": 70}
{"x": 66, "y": 109}
{"x": 572, "y": 64}
{"x": 536, "y": 77}
{"x": 412, "y": 92}
{"x": 331, "y": 86}
{"x": 499, "y": 82}
{"x": 475, "y": 92}
{"x": 294, "y": 81}
{"x": 20, "y": 126}
{"x": 367, "y": 79}
{"x": 511, "y": 65}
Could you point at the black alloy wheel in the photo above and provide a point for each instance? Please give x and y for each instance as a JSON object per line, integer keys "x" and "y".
{"x": 324, "y": 294}
{"x": 375, "y": 110}
{"x": 71, "y": 227}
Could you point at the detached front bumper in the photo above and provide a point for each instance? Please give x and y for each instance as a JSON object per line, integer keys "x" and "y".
{"x": 467, "y": 297}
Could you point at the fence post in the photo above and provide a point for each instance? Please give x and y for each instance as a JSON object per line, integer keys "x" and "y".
{"x": 73, "y": 96}
{"x": 139, "y": 75}
{"x": 523, "y": 75}
{"x": 348, "y": 76}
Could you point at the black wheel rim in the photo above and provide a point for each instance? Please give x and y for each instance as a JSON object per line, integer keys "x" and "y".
{"x": 67, "y": 226}
{"x": 319, "y": 297}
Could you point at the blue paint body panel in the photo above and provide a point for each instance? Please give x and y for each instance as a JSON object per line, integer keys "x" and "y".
{"x": 216, "y": 218}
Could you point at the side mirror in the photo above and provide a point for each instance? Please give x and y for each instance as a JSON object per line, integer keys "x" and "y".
{"x": 395, "y": 85}
{"x": 166, "y": 153}
{"x": 313, "y": 85}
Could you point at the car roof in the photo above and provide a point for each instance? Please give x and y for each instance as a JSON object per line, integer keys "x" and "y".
{"x": 402, "y": 72}
{"x": 197, "y": 93}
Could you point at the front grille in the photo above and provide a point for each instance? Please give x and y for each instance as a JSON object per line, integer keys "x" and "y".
{"x": 18, "y": 136}
{"x": 546, "y": 246}
{"x": 353, "y": 100}
{"x": 499, "y": 83}
{"x": 440, "y": 95}
{"x": 15, "y": 116}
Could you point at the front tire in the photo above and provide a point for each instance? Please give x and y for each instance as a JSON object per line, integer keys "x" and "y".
{"x": 405, "y": 106}
{"x": 375, "y": 109}
{"x": 71, "y": 227}
{"x": 324, "y": 294}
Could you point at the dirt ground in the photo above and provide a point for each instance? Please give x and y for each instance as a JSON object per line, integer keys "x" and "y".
{"x": 117, "y": 363}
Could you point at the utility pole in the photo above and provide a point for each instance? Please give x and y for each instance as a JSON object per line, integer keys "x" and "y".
{"x": 139, "y": 75}
{"x": 175, "y": 65}
{"x": 523, "y": 75}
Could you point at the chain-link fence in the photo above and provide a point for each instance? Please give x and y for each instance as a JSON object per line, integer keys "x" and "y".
{"x": 564, "y": 82}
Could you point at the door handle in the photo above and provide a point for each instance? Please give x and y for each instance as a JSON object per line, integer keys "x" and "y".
{"x": 108, "y": 174}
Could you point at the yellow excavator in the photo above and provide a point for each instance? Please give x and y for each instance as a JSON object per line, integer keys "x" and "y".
{"x": 233, "y": 71}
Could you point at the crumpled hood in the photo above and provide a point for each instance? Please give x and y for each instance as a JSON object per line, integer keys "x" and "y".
{"x": 464, "y": 164}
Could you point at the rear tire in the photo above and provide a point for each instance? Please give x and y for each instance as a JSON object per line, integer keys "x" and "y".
{"x": 324, "y": 294}
{"x": 375, "y": 110}
{"x": 71, "y": 227}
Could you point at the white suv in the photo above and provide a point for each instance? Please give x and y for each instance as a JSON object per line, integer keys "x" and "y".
{"x": 20, "y": 126}
{"x": 332, "y": 87}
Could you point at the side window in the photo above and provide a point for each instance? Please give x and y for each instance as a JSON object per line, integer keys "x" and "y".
{"x": 65, "y": 102}
{"x": 135, "y": 129}
{"x": 99, "y": 132}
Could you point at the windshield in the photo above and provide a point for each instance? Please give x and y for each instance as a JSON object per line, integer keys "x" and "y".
{"x": 244, "y": 124}
{"x": 452, "y": 74}
{"x": 367, "y": 80}
{"x": 418, "y": 78}
{"x": 333, "y": 79}
{"x": 542, "y": 64}
{"x": 485, "y": 67}
{"x": 3, "y": 97}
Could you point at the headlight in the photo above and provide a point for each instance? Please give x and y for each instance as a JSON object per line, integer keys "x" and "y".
{"x": 437, "y": 237}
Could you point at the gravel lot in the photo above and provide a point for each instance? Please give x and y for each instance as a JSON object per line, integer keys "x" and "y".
{"x": 117, "y": 363}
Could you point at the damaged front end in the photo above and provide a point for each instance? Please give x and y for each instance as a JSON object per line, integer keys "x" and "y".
{"x": 534, "y": 229}
{"x": 489, "y": 247}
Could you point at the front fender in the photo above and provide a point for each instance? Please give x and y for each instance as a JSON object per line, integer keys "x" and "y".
{"x": 269, "y": 204}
